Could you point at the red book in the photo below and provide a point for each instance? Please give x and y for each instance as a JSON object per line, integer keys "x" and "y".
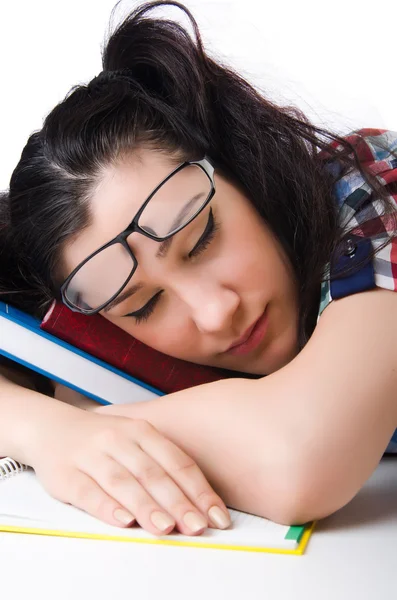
{"x": 97, "y": 336}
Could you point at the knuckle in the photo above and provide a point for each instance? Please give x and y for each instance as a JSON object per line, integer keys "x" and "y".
{"x": 186, "y": 465}
{"x": 108, "y": 436}
{"x": 82, "y": 494}
{"x": 206, "y": 497}
{"x": 143, "y": 427}
{"x": 150, "y": 474}
{"x": 118, "y": 478}
{"x": 90, "y": 499}
{"x": 101, "y": 505}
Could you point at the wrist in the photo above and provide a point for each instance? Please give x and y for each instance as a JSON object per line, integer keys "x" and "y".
{"x": 26, "y": 415}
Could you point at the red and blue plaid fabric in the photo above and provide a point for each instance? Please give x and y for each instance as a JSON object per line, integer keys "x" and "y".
{"x": 360, "y": 211}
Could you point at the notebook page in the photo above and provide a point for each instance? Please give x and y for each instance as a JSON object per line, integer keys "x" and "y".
{"x": 25, "y": 503}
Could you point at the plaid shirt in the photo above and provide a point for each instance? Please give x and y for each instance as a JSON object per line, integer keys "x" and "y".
{"x": 359, "y": 211}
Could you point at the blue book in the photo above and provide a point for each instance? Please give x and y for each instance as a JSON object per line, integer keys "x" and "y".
{"x": 22, "y": 341}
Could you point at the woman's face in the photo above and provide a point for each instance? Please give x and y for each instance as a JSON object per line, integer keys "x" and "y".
{"x": 203, "y": 304}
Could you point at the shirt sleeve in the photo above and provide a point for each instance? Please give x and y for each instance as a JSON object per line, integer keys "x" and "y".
{"x": 361, "y": 211}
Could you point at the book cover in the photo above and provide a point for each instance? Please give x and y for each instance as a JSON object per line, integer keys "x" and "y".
{"x": 24, "y": 342}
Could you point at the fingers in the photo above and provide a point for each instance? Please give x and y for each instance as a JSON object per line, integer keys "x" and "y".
{"x": 188, "y": 476}
{"x": 172, "y": 479}
{"x": 150, "y": 494}
{"x": 128, "y": 491}
{"x": 131, "y": 472}
{"x": 85, "y": 493}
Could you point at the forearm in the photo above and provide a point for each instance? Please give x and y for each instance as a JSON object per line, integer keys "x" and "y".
{"x": 298, "y": 444}
{"x": 223, "y": 426}
{"x": 21, "y": 408}
{"x": 346, "y": 382}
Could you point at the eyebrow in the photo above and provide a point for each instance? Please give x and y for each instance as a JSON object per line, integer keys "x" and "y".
{"x": 161, "y": 253}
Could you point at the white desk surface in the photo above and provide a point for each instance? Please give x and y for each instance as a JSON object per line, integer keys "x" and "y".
{"x": 352, "y": 555}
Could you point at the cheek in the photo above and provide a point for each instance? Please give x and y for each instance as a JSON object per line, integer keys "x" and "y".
{"x": 261, "y": 253}
{"x": 172, "y": 336}
{"x": 243, "y": 260}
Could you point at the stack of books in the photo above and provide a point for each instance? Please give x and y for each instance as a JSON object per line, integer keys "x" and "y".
{"x": 95, "y": 357}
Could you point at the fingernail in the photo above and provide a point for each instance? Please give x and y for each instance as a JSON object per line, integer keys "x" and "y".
{"x": 220, "y": 519}
{"x": 123, "y": 516}
{"x": 161, "y": 521}
{"x": 194, "y": 521}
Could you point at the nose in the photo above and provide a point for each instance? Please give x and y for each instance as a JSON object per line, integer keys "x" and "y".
{"x": 212, "y": 305}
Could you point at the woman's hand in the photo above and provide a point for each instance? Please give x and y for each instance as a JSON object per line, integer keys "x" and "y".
{"x": 122, "y": 470}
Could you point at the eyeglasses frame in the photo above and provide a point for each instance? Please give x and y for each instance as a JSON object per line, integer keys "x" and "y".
{"x": 206, "y": 165}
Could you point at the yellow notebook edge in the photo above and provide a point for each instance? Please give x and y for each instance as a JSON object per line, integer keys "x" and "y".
{"x": 117, "y": 538}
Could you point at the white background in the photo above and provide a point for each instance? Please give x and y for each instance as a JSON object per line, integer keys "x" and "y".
{"x": 351, "y": 556}
{"x": 333, "y": 59}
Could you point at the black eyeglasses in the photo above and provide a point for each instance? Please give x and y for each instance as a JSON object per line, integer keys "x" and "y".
{"x": 171, "y": 206}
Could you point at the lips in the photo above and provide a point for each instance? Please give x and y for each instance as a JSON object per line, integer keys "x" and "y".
{"x": 244, "y": 337}
{"x": 251, "y": 338}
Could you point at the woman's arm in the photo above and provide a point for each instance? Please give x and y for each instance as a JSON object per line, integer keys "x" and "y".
{"x": 19, "y": 398}
{"x": 350, "y": 412}
{"x": 298, "y": 444}
{"x": 20, "y": 406}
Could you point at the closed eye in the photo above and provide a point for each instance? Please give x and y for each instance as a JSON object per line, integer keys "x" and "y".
{"x": 142, "y": 314}
{"x": 206, "y": 238}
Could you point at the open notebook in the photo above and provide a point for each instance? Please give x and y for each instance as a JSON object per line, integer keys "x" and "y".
{"x": 25, "y": 507}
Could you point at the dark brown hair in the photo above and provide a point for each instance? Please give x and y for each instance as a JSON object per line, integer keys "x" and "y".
{"x": 160, "y": 89}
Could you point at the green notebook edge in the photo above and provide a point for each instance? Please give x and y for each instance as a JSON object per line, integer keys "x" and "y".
{"x": 295, "y": 532}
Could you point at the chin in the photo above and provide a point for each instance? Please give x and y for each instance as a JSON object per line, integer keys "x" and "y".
{"x": 280, "y": 355}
